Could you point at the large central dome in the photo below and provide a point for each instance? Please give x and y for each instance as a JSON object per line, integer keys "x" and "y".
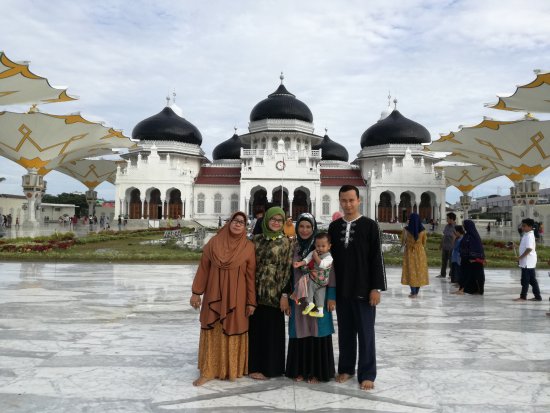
{"x": 396, "y": 129}
{"x": 281, "y": 104}
{"x": 167, "y": 125}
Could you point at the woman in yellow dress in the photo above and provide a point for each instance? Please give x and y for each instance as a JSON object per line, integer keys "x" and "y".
{"x": 415, "y": 262}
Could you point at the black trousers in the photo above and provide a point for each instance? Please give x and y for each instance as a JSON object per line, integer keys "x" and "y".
{"x": 266, "y": 341}
{"x": 356, "y": 323}
{"x": 445, "y": 259}
{"x": 529, "y": 277}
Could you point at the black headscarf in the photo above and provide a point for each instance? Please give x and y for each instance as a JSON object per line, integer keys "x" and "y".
{"x": 306, "y": 245}
{"x": 414, "y": 227}
{"x": 471, "y": 245}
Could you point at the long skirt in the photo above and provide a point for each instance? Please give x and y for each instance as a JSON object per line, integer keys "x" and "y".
{"x": 310, "y": 357}
{"x": 474, "y": 277}
{"x": 266, "y": 342}
{"x": 221, "y": 356}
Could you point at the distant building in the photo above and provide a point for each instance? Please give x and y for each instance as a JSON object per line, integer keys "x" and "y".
{"x": 281, "y": 161}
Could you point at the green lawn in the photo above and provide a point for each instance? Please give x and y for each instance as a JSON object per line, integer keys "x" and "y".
{"x": 110, "y": 246}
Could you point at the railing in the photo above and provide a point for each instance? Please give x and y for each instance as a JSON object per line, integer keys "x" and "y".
{"x": 249, "y": 153}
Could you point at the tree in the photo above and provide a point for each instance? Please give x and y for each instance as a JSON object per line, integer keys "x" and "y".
{"x": 65, "y": 198}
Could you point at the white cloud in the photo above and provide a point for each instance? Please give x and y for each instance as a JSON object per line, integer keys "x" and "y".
{"x": 442, "y": 59}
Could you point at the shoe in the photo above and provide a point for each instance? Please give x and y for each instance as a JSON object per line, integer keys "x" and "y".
{"x": 316, "y": 314}
{"x": 535, "y": 299}
{"x": 309, "y": 307}
{"x": 440, "y": 276}
{"x": 520, "y": 299}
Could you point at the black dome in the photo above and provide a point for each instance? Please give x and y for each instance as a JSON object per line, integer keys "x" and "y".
{"x": 281, "y": 104}
{"x": 396, "y": 128}
{"x": 229, "y": 149}
{"x": 167, "y": 126}
{"x": 332, "y": 151}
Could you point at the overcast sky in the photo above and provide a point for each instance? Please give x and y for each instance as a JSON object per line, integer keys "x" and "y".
{"x": 442, "y": 60}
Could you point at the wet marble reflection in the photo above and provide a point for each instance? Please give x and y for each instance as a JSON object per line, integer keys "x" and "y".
{"x": 122, "y": 338}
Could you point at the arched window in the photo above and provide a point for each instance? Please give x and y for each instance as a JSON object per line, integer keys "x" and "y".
{"x": 287, "y": 144}
{"x": 234, "y": 203}
{"x": 200, "y": 204}
{"x": 326, "y": 205}
{"x": 274, "y": 143}
{"x": 217, "y": 204}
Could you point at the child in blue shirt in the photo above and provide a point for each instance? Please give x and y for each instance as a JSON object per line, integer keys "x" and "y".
{"x": 456, "y": 276}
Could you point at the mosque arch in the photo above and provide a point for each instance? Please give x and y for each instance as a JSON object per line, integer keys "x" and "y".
{"x": 280, "y": 198}
{"x": 175, "y": 203}
{"x": 406, "y": 205}
{"x": 426, "y": 208}
{"x": 301, "y": 202}
{"x": 258, "y": 196}
{"x": 134, "y": 204}
{"x": 386, "y": 204}
{"x": 154, "y": 204}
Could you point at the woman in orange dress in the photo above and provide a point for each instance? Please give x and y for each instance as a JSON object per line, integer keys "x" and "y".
{"x": 226, "y": 281}
{"x": 415, "y": 261}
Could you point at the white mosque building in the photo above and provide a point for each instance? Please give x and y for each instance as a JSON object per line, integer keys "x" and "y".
{"x": 280, "y": 160}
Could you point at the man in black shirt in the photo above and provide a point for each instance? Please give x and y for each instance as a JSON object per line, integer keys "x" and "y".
{"x": 360, "y": 277}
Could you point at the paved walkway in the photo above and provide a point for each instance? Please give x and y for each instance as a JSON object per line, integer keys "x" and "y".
{"x": 122, "y": 338}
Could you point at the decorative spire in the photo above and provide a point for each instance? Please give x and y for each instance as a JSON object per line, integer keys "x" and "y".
{"x": 389, "y": 99}
{"x": 282, "y": 77}
{"x": 395, "y": 103}
{"x": 167, "y": 100}
{"x": 235, "y": 129}
{"x": 326, "y": 131}
{"x": 174, "y": 96}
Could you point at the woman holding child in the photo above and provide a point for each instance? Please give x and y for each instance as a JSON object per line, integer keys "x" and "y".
{"x": 310, "y": 354}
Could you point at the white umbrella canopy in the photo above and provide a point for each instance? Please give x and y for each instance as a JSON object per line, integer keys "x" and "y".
{"x": 91, "y": 172}
{"x": 88, "y": 152}
{"x": 467, "y": 177}
{"x": 19, "y": 85}
{"x": 43, "y": 141}
{"x": 518, "y": 149}
{"x": 532, "y": 97}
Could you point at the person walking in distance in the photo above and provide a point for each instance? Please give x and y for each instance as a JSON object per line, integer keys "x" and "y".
{"x": 447, "y": 243}
{"x": 360, "y": 277}
{"x": 527, "y": 261}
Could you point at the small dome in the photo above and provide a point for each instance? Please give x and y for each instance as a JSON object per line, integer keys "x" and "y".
{"x": 281, "y": 104}
{"x": 167, "y": 125}
{"x": 229, "y": 149}
{"x": 332, "y": 151}
{"x": 395, "y": 128}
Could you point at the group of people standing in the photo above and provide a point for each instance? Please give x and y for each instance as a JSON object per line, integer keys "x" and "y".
{"x": 461, "y": 247}
{"x": 462, "y": 250}
{"x": 245, "y": 288}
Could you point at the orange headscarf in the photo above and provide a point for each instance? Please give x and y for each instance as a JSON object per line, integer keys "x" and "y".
{"x": 226, "y": 250}
{"x": 288, "y": 228}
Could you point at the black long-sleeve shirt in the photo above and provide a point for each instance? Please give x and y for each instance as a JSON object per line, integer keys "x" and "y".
{"x": 357, "y": 253}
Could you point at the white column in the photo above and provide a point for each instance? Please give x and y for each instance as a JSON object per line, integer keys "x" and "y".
{"x": 143, "y": 207}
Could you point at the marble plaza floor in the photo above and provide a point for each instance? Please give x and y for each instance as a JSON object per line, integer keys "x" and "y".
{"x": 122, "y": 338}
